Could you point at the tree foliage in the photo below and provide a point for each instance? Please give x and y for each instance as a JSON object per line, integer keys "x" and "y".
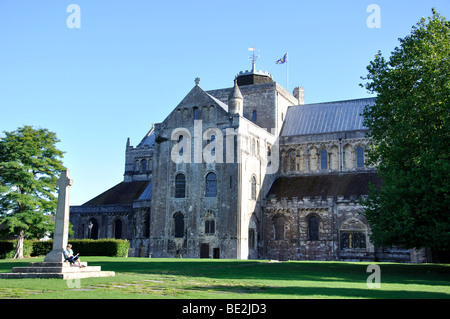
{"x": 30, "y": 165}
{"x": 409, "y": 128}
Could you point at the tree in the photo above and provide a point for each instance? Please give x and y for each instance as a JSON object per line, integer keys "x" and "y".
{"x": 30, "y": 164}
{"x": 409, "y": 128}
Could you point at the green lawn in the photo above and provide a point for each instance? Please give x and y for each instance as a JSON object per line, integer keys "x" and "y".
{"x": 233, "y": 279}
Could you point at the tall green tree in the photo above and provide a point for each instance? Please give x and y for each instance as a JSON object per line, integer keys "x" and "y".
{"x": 409, "y": 128}
{"x": 30, "y": 165}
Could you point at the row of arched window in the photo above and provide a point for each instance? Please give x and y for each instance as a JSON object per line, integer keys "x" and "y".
{"x": 210, "y": 185}
{"x": 348, "y": 239}
{"x": 324, "y": 159}
{"x": 178, "y": 224}
{"x": 205, "y": 113}
{"x": 279, "y": 227}
{"x": 143, "y": 166}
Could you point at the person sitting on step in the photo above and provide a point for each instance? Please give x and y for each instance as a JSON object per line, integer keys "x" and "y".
{"x": 68, "y": 255}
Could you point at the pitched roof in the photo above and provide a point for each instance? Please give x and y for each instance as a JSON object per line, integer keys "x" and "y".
{"x": 122, "y": 193}
{"x": 197, "y": 95}
{"x": 148, "y": 140}
{"x": 325, "y": 117}
{"x": 324, "y": 185}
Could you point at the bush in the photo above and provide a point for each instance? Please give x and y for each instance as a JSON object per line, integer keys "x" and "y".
{"x": 85, "y": 247}
{"x": 100, "y": 247}
{"x": 42, "y": 248}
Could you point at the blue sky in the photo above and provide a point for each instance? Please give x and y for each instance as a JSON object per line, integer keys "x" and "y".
{"x": 131, "y": 62}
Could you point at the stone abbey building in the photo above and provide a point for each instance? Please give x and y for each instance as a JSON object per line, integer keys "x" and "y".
{"x": 246, "y": 172}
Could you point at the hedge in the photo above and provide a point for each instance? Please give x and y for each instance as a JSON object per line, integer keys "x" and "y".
{"x": 85, "y": 247}
{"x": 8, "y": 248}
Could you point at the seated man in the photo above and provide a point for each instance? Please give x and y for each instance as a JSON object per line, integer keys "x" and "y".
{"x": 68, "y": 255}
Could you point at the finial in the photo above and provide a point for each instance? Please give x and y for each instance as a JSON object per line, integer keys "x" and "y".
{"x": 197, "y": 81}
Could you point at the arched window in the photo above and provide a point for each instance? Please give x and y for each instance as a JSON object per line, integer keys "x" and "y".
{"x": 146, "y": 231}
{"x": 210, "y": 226}
{"x": 196, "y": 114}
{"x": 179, "y": 225}
{"x": 143, "y": 166}
{"x": 211, "y": 185}
{"x": 313, "y": 228}
{"x": 253, "y": 188}
{"x": 118, "y": 228}
{"x": 180, "y": 186}
{"x": 137, "y": 166}
{"x": 292, "y": 161}
{"x": 323, "y": 159}
{"x": 278, "y": 227}
{"x": 360, "y": 156}
{"x": 93, "y": 229}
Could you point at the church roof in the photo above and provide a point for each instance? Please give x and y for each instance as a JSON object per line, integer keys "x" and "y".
{"x": 148, "y": 140}
{"x": 347, "y": 184}
{"x": 122, "y": 193}
{"x": 198, "y": 95}
{"x": 327, "y": 117}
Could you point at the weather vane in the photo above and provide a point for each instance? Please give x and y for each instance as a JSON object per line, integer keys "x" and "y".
{"x": 253, "y": 57}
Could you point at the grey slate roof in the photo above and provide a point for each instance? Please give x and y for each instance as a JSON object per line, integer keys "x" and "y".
{"x": 328, "y": 117}
{"x": 122, "y": 193}
{"x": 148, "y": 140}
{"x": 346, "y": 184}
{"x": 147, "y": 193}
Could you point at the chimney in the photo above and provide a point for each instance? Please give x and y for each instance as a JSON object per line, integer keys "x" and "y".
{"x": 299, "y": 94}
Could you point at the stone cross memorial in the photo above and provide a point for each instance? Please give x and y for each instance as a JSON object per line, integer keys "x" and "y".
{"x": 54, "y": 265}
{"x": 61, "y": 233}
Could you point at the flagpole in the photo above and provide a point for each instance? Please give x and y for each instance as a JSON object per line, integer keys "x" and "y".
{"x": 287, "y": 71}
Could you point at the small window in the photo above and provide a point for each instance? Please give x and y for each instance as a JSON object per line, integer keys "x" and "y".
{"x": 253, "y": 188}
{"x": 313, "y": 228}
{"x": 93, "y": 229}
{"x": 292, "y": 161}
{"x": 210, "y": 226}
{"x": 118, "y": 228}
{"x": 143, "y": 166}
{"x": 179, "y": 225}
{"x": 251, "y": 238}
{"x": 323, "y": 159}
{"x": 180, "y": 138}
{"x": 360, "y": 156}
{"x": 196, "y": 114}
{"x": 278, "y": 227}
{"x": 211, "y": 185}
{"x": 254, "y": 116}
{"x": 180, "y": 186}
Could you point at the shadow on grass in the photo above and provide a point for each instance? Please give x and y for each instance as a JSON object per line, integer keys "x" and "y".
{"x": 278, "y": 280}
{"x": 428, "y": 274}
{"x": 328, "y": 292}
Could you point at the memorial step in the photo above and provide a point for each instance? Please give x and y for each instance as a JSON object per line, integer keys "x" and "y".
{"x": 55, "y": 269}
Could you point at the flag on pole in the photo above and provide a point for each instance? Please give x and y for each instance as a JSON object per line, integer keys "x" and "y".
{"x": 282, "y": 60}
